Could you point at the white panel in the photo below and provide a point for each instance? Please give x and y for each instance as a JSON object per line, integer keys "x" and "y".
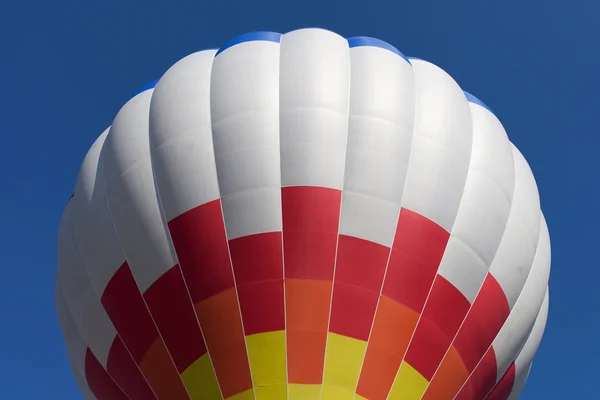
{"x": 97, "y": 240}
{"x": 484, "y": 208}
{"x": 382, "y": 116}
{"x": 245, "y": 113}
{"x": 86, "y": 178}
{"x": 514, "y": 257}
{"x": 252, "y": 212}
{"x": 513, "y": 334}
{"x": 247, "y": 151}
{"x": 368, "y": 217}
{"x": 379, "y": 139}
{"x": 525, "y": 358}
{"x": 181, "y": 136}
{"x": 463, "y": 267}
{"x": 441, "y": 147}
{"x": 88, "y": 314}
{"x": 132, "y": 195}
{"x": 80, "y": 298}
{"x": 314, "y": 104}
{"x": 76, "y": 347}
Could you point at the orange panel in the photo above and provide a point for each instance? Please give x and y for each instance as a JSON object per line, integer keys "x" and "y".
{"x": 220, "y": 318}
{"x": 230, "y": 362}
{"x": 306, "y": 356}
{"x": 307, "y": 304}
{"x": 221, "y": 324}
{"x": 158, "y": 368}
{"x": 307, "y": 317}
{"x": 392, "y": 329}
{"x": 448, "y": 379}
{"x": 378, "y": 373}
{"x": 393, "y": 326}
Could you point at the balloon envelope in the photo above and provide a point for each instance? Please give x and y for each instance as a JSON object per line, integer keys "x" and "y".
{"x": 303, "y": 216}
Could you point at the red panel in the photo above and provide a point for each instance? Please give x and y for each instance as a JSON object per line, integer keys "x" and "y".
{"x": 446, "y": 306}
{"x": 311, "y": 208}
{"x": 483, "y": 322}
{"x": 418, "y": 248}
{"x": 100, "y": 383}
{"x": 310, "y": 227}
{"x": 262, "y": 306}
{"x": 174, "y": 315}
{"x": 309, "y": 255}
{"x": 444, "y": 312}
{"x": 482, "y": 380}
{"x": 504, "y": 387}
{"x": 126, "y": 373}
{"x": 427, "y": 348}
{"x": 352, "y": 311}
{"x": 126, "y": 308}
{"x": 420, "y": 238}
{"x": 408, "y": 281}
{"x": 361, "y": 263}
{"x": 257, "y": 258}
{"x": 201, "y": 245}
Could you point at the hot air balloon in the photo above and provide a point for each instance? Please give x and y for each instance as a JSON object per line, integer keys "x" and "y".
{"x": 303, "y": 216}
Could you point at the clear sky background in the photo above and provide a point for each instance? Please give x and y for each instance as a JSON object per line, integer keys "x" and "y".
{"x": 68, "y": 66}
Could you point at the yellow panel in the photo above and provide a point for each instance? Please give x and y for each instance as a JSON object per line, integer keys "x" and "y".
{"x": 304, "y": 392}
{"x": 247, "y": 395}
{"x": 275, "y": 392}
{"x": 359, "y": 397}
{"x": 333, "y": 393}
{"x": 409, "y": 384}
{"x": 266, "y": 352}
{"x": 343, "y": 361}
{"x": 200, "y": 380}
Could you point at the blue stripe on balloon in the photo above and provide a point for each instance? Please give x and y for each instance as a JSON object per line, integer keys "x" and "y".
{"x": 475, "y": 100}
{"x": 372, "y": 42}
{"x": 251, "y": 37}
{"x": 148, "y": 86}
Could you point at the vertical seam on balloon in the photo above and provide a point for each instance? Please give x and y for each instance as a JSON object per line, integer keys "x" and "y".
{"x": 134, "y": 278}
{"x": 68, "y": 310}
{"x": 226, "y": 235}
{"x": 391, "y": 245}
{"x": 337, "y": 239}
{"x": 100, "y": 164}
{"x": 178, "y": 265}
{"x": 285, "y": 330}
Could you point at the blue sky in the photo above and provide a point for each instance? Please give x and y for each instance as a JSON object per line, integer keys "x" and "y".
{"x": 68, "y": 66}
